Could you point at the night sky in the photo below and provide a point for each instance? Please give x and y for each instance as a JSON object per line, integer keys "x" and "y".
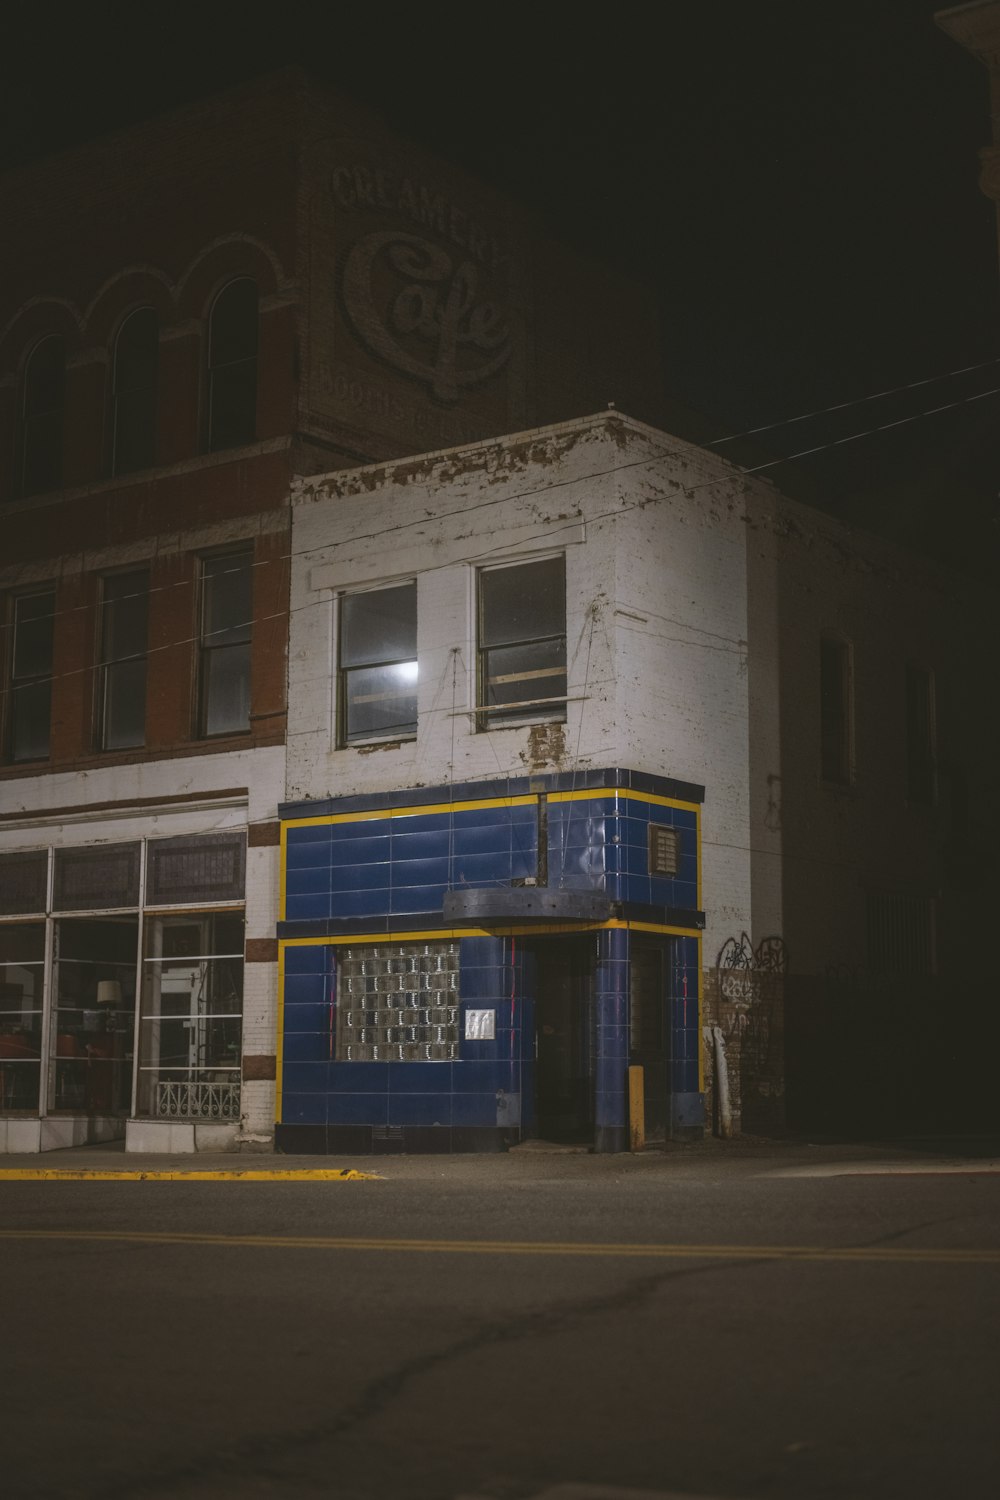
{"x": 797, "y": 181}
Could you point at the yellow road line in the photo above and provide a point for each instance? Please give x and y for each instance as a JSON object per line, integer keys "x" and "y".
{"x": 60, "y": 1174}
{"x": 895, "y": 1255}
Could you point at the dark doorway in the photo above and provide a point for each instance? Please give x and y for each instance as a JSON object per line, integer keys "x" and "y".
{"x": 649, "y": 1033}
{"x": 564, "y": 1018}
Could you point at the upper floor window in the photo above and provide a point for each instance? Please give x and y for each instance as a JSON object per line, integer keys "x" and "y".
{"x": 30, "y": 680}
{"x": 522, "y": 642}
{"x": 920, "y": 772}
{"x": 43, "y": 400}
{"x": 226, "y": 622}
{"x": 232, "y": 366}
{"x": 836, "y": 710}
{"x": 133, "y": 397}
{"x": 121, "y": 687}
{"x": 377, "y": 675}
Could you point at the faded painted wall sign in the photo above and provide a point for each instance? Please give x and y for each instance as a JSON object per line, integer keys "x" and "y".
{"x": 401, "y": 291}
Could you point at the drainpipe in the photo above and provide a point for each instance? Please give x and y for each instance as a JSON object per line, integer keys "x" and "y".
{"x": 722, "y": 1084}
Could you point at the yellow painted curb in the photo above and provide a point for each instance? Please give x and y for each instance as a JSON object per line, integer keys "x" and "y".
{"x": 61, "y": 1174}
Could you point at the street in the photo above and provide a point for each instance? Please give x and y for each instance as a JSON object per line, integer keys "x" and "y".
{"x": 791, "y": 1322}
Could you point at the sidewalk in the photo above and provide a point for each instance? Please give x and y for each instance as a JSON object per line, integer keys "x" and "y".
{"x": 784, "y": 1157}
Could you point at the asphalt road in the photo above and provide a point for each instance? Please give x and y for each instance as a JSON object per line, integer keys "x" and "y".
{"x": 796, "y": 1324}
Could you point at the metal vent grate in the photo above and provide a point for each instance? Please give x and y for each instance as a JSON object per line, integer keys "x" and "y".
{"x": 664, "y": 850}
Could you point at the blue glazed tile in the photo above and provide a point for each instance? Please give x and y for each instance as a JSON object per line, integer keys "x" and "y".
{"x": 371, "y": 877}
{"x": 474, "y": 1109}
{"x": 419, "y": 1078}
{"x": 359, "y": 1078}
{"x": 470, "y": 1076}
{"x": 482, "y": 839}
{"x": 306, "y": 958}
{"x": 610, "y": 1107}
{"x": 314, "y": 833}
{"x": 307, "y": 857}
{"x": 612, "y": 1041}
{"x": 313, "y": 1017}
{"x": 421, "y": 822}
{"x": 305, "y": 1047}
{"x": 305, "y": 1077}
{"x": 477, "y": 1051}
{"x": 370, "y": 850}
{"x": 480, "y": 984}
{"x": 359, "y": 903}
{"x": 482, "y": 869}
{"x": 307, "y": 908}
{"x": 303, "y": 989}
{"x": 420, "y": 1109}
{"x": 303, "y": 1109}
{"x": 358, "y": 1109}
{"x": 611, "y": 1074}
{"x": 427, "y": 843}
{"x": 312, "y": 882}
{"x": 480, "y": 951}
{"x": 407, "y": 872}
{"x": 416, "y": 898}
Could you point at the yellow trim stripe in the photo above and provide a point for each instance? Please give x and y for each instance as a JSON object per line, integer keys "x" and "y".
{"x": 524, "y": 930}
{"x": 58, "y": 1174}
{"x": 424, "y": 809}
{"x": 867, "y": 1255}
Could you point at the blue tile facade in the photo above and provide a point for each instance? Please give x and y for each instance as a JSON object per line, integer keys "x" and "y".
{"x": 362, "y": 870}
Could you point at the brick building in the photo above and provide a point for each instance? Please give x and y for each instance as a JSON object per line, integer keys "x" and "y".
{"x": 601, "y": 753}
{"x": 194, "y": 313}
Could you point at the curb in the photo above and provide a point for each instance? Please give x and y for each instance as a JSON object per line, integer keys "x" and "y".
{"x": 63, "y": 1174}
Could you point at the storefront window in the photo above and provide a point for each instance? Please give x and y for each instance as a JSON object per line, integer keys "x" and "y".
{"x": 191, "y": 1027}
{"x": 93, "y": 1014}
{"x": 22, "y": 967}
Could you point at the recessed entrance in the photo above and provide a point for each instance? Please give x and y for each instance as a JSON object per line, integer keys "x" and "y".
{"x": 564, "y": 1021}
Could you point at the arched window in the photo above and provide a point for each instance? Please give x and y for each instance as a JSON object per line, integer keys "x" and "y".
{"x": 42, "y": 416}
{"x": 232, "y": 366}
{"x": 133, "y": 442}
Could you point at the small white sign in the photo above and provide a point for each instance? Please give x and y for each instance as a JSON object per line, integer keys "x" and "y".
{"x": 480, "y": 1025}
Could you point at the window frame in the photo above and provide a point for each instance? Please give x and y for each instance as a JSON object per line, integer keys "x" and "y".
{"x": 27, "y": 680}
{"x": 548, "y": 709}
{"x": 209, "y": 654}
{"x": 219, "y": 370}
{"x": 345, "y": 738}
{"x": 107, "y": 665}
{"x": 134, "y": 388}
{"x": 41, "y": 423}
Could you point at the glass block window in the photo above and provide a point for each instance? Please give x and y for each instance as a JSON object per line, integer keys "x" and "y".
{"x": 208, "y": 868}
{"x": 95, "y": 878}
{"x": 378, "y": 664}
{"x": 23, "y": 879}
{"x": 398, "y": 1003}
{"x": 522, "y": 642}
